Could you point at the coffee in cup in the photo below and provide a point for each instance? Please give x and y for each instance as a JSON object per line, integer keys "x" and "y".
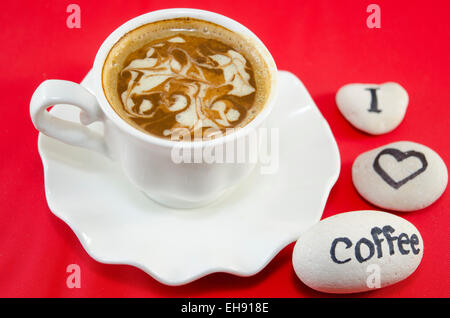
{"x": 187, "y": 74}
{"x": 179, "y": 50}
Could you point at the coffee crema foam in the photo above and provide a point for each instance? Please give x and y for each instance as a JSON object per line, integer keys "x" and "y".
{"x": 185, "y": 75}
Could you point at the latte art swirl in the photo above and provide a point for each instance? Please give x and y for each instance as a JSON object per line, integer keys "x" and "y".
{"x": 190, "y": 82}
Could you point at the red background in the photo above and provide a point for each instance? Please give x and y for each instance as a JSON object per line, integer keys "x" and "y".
{"x": 326, "y": 43}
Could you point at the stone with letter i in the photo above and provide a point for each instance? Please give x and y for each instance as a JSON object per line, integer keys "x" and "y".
{"x": 373, "y": 108}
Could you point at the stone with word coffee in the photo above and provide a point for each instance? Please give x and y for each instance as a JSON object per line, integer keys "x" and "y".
{"x": 357, "y": 251}
{"x": 402, "y": 176}
{"x": 373, "y": 108}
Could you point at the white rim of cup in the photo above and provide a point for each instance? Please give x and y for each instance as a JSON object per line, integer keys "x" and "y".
{"x": 172, "y": 14}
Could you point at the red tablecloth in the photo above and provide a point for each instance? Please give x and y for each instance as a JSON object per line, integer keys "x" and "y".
{"x": 325, "y": 43}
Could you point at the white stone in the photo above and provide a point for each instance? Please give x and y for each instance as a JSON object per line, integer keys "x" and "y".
{"x": 373, "y": 108}
{"x": 341, "y": 255}
{"x": 402, "y": 176}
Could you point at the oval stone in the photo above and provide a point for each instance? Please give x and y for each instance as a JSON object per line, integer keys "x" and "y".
{"x": 357, "y": 251}
{"x": 402, "y": 176}
{"x": 373, "y": 108}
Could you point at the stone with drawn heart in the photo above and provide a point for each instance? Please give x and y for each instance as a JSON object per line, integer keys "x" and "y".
{"x": 373, "y": 108}
{"x": 402, "y": 176}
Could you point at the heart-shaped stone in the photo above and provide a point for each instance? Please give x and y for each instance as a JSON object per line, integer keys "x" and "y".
{"x": 402, "y": 176}
{"x": 373, "y": 108}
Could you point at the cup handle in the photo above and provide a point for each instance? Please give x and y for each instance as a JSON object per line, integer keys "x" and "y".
{"x": 52, "y": 92}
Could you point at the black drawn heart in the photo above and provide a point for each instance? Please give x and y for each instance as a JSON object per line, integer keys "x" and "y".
{"x": 399, "y": 156}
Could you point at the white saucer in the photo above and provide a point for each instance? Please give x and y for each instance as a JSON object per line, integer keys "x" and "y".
{"x": 238, "y": 234}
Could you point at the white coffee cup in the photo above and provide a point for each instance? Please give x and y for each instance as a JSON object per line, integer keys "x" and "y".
{"x": 146, "y": 159}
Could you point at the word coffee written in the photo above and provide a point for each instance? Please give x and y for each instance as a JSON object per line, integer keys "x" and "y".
{"x": 403, "y": 241}
{"x": 357, "y": 251}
